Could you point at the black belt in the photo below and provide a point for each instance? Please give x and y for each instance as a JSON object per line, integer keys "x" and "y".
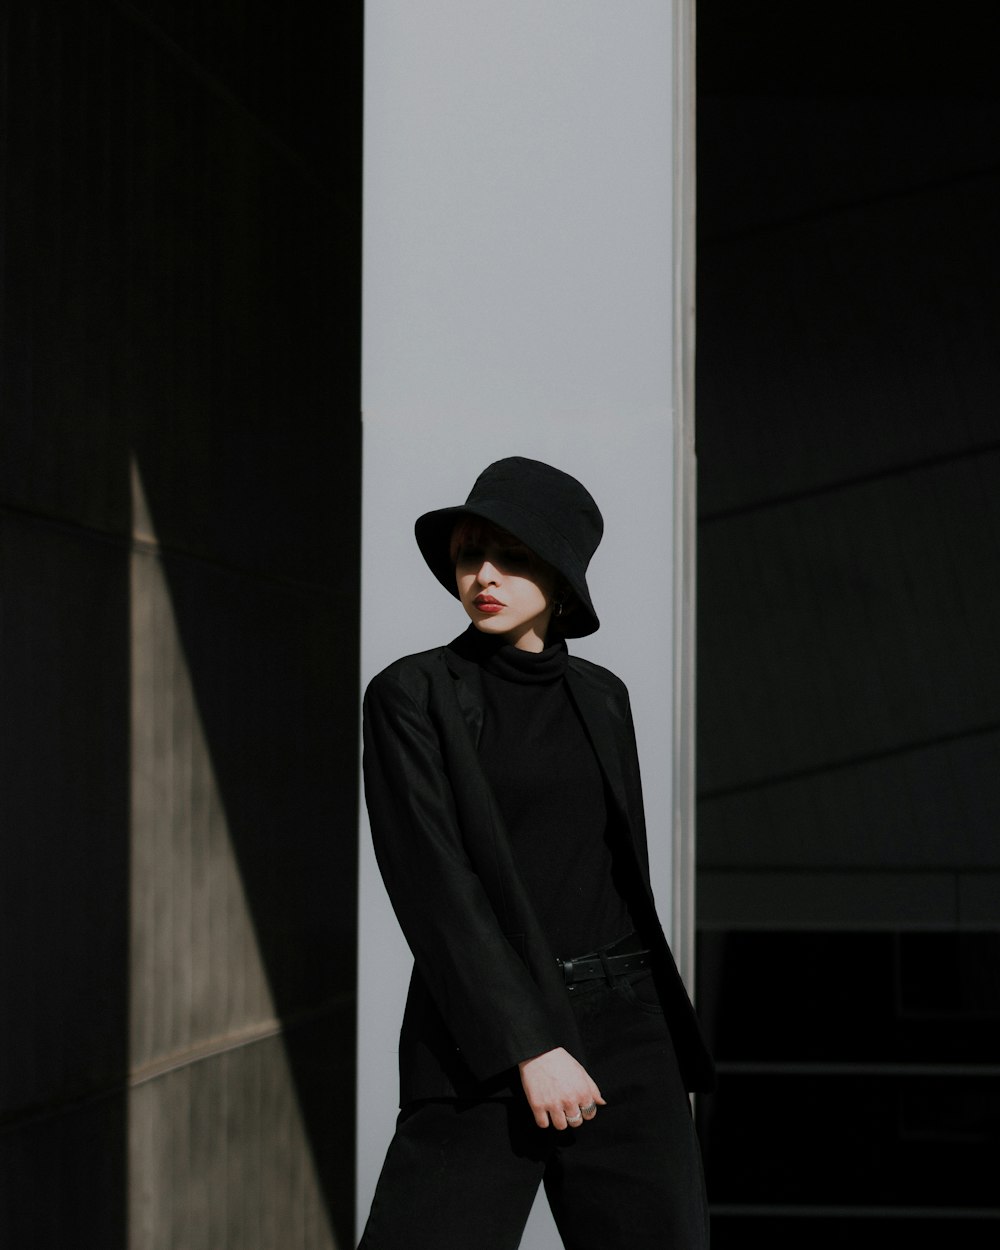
{"x": 604, "y": 965}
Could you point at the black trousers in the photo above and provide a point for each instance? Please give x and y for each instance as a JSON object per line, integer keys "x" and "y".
{"x": 463, "y": 1175}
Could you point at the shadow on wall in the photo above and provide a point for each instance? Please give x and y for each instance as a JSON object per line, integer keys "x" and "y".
{"x": 179, "y": 498}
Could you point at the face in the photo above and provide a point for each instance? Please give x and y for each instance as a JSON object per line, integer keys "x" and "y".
{"x": 504, "y": 587}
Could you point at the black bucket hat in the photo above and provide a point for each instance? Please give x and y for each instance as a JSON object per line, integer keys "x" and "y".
{"x": 546, "y": 509}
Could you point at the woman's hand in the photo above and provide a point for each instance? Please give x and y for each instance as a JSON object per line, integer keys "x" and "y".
{"x": 559, "y": 1090}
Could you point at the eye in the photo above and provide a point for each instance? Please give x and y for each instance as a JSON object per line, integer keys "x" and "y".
{"x": 516, "y": 555}
{"x": 468, "y": 553}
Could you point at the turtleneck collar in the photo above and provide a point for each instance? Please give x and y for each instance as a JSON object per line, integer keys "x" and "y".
{"x": 529, "y": 667}
{"x": 502, "y": 659}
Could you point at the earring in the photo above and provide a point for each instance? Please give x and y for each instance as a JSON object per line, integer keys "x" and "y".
{"x": 558, "y": 608}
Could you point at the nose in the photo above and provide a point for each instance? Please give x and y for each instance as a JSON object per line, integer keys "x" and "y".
{"x": 488, "y": 575}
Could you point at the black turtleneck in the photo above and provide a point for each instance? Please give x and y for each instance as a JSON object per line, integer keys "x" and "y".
{"x": 547, "y": 781}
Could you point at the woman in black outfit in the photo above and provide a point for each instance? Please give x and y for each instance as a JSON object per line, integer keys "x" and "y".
{"x": 503, "y": 787}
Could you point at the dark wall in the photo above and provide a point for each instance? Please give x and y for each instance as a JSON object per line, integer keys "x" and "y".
{"x": 849, "y": 541}
{"x": 179, "y": 519}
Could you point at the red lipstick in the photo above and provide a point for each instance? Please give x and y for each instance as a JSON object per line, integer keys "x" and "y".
{"x": 487, "y": 604}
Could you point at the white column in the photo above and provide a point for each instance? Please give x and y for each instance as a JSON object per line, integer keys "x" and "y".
{"x": 527, "y": 291}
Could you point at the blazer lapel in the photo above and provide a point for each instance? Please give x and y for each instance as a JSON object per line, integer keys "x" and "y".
{"x": 592, "y": 706}
{"x": 468, "y": 690}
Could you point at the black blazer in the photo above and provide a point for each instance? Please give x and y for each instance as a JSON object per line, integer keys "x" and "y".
{"x": 486, "y": 991}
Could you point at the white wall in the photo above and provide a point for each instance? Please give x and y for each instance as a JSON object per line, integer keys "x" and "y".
{"x": 520, "y": 279}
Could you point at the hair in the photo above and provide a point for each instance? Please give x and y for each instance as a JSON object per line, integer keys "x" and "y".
{"x": 473, "y": 531}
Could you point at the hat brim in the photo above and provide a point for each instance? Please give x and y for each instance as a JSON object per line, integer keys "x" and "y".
{"x": 433, "y": 532}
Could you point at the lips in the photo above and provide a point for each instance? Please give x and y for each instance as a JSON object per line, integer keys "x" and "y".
{"x": 487, "y": 604}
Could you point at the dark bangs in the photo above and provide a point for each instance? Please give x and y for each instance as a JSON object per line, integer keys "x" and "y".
{"x": 473, "y": 531}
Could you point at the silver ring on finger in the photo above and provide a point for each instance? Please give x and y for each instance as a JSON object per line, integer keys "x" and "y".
{"x": 575, "y": 1119}
{"x": 589, "y": 1110}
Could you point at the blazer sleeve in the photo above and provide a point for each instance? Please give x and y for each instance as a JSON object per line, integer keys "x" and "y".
{"x": 490, "y": 1003}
